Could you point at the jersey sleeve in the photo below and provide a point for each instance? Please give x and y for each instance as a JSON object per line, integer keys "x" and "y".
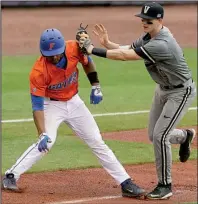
{"x": 137, "y": 43}
{"x": 37, "y": 82}
{"x": 37, "y": 103}
{"x": 156, "y": 50}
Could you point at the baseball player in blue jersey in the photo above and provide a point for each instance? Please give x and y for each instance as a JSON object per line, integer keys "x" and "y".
{"x": 174, "y": 93}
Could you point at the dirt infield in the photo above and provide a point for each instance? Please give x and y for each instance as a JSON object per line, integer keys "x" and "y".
{"x": 20, "y": 35}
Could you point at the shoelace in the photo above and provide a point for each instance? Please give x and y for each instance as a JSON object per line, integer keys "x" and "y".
{"x": 156, "y": 188}
{"x": 130, "y": 183}
{"x": 133, "y": 184}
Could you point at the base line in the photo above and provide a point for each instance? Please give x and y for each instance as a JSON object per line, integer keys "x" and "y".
{"x": 95, "y": 115}
{"x": 86, "y": 200}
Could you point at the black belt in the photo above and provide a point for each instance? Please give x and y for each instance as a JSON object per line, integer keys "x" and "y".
{"x": 174, "y": 87}
{"x": 53, "y": 99}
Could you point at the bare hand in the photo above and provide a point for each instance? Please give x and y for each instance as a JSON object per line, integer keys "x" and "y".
{"x": 101, "y": 32}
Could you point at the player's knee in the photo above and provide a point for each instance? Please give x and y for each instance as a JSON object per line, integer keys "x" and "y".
{"x": 156, "y": 139}
{"x": 156, "y": 136}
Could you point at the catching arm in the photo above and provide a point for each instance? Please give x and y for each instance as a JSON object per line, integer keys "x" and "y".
{"x": 116, "y": 54}
{"x": 119, "y": 54}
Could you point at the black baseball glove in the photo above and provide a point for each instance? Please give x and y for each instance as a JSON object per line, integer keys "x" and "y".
{"x": 81, "y": 37}
{"x": 81, "y": 32}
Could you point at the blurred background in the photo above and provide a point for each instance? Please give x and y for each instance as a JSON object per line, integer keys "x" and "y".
{"x": 23, "y": 21}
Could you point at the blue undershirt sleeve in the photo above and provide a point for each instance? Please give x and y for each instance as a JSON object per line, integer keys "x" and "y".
{"x": 37, "y": 103}
{"x": 89, "y": 59}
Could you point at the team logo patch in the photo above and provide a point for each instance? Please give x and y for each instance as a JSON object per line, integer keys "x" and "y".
{"x": 34, "y": 89}
{"x": 146, "y": 8}
{"x": 51, "y": 45}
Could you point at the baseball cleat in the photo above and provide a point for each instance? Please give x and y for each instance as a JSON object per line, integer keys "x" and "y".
{"x": 130, "y": 189}
{"x": 161, "y": 192}
{"x": 9, "y": 182}
{"x": 184, "y": 151}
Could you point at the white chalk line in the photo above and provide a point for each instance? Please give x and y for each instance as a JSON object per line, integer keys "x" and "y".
{"x": 86, "y": 200}
{"x": 95, "y": 115}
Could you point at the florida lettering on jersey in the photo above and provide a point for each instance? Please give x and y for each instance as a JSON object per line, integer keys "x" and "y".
{"x": 72, "y": 79}
{"x": 62, "y": 84}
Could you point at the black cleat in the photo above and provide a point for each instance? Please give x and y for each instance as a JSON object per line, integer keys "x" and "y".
{"x": 9, "y": 182}
{"x": 184, "y": 151}
{"x": 161, "y": 192}
{"x": 130, "y": 189}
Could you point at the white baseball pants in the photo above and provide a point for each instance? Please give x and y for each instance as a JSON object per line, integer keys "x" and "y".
{"x": 77, "y": 116}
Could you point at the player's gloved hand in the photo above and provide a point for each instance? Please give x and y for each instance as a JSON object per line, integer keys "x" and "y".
{"x": 43, "y": 140}
{"x": 96, "y": 95}
{"x": 86, "y": 45}
{"x": 82, "y": 33}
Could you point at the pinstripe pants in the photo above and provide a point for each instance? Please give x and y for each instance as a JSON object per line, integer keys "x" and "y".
{"x": 168, "y": 108}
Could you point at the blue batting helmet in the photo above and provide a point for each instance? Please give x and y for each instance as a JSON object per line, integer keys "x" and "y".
{"x": 52, "y": 42}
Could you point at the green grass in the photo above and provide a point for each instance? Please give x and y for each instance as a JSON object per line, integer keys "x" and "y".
{"x": 69, "y": 151}
{"x": 126, "y": 86}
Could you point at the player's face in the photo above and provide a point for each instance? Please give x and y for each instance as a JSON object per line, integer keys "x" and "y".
{"x": 54, "y": 59}
{"x": 149, "y": 25}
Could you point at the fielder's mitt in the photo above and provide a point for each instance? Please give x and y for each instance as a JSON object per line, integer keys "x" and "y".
{"x": 82, "y": 33}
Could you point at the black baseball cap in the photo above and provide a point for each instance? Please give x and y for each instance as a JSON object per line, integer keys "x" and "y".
{"x": 151, "y": 10}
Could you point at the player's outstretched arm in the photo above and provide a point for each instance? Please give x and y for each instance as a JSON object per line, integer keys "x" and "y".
{"x": 119, "y": 54}
{"x": 115, "y": 54}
